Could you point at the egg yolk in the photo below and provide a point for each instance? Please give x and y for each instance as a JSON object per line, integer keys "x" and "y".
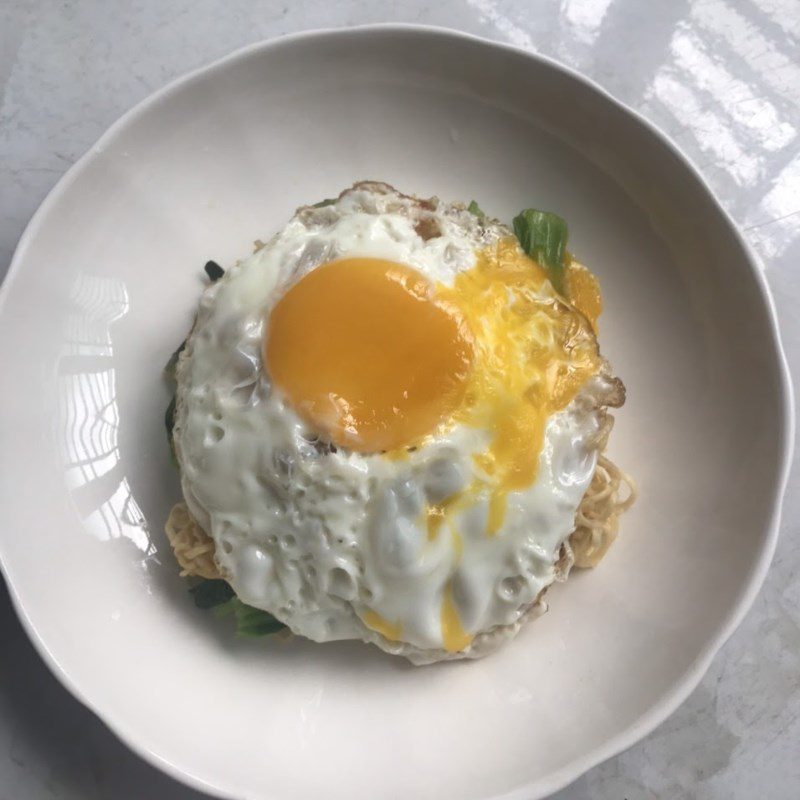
{"x": 375, "y": 357}
{"x": 392, "y": 631}
{"x": 532, "y": 354}
{"x": 583, "y": 292}
{"x": 367, "y": 354}
{"x": 454, "y": 637}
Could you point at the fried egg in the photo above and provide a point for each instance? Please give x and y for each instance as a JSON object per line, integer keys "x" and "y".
{"x": 386, "y": 420}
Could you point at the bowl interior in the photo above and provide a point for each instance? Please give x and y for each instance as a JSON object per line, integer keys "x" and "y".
{"x": 104, "y": 290}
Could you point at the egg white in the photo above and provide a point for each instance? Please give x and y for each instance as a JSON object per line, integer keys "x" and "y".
{"x": 319, "y": 536}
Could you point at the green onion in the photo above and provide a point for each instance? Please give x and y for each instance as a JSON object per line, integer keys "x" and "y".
{"x": 543, "y": 236}
{"x": 211, "y": 593}
{"x": 254, "y": 622}
{"x": 328, "y": 201}
{"x": 214, "y": 271}
{"x": 475, "y": 209}
{"x": 219, "y": 596}
{"x": 250, "y": 621}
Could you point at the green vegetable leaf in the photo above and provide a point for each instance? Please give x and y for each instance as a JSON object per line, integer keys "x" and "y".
{"x": 211, "y": 593}
{"x": 328, "y": 201}
{"x": 250, "y": 621}
{"x": 225, "y": 609}
{"x": 214, "y": 271}
{"x": 219, "y": 596}
{"x": 255, "y": 622}
{"x": 475, "y": 209}
{"x": 543, "y": 236}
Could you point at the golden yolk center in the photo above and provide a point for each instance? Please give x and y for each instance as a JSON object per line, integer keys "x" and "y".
{"x": 367, "y": 355}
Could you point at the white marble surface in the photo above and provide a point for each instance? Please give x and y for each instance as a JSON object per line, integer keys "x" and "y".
{"x": 722, "y": 77}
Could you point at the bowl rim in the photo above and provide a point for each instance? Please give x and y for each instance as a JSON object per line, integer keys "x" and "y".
{"x": 651, "y": 717}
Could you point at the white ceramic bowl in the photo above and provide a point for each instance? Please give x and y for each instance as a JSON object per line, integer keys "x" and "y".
{"x": 103, "y": 286}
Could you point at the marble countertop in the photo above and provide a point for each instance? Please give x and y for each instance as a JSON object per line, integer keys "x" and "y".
{"x": 721, "y": 77}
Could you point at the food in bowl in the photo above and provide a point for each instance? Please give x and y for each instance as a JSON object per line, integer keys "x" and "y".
{"x": 390, "y": 424}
